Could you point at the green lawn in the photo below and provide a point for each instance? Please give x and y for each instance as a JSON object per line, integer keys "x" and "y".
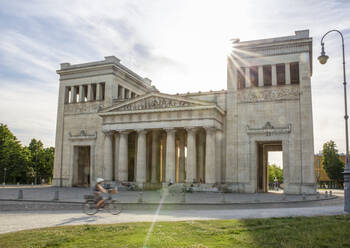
{"x": 327, "y": 231}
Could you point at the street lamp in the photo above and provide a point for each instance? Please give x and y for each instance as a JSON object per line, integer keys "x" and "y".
{"x": 323, "y": 59}
{"x": 5, "y": 175}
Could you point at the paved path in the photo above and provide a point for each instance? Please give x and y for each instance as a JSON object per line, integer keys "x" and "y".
{"x": 11, "y": 222}
{"x": 47, "y": 193}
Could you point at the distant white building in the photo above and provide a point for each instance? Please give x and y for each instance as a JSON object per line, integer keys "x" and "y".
{"x": 114, "y": 124}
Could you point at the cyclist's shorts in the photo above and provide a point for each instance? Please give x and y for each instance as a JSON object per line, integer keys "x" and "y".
{"x": 98, "y": 197}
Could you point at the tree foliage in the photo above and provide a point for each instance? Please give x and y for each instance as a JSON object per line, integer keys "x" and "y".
{"x": 275, "y": 171}
{"x": 20, "y": 163}
{"x": 331, "y": 162}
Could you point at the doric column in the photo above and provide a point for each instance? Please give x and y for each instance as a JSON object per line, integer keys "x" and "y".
{"x": 73, "y": 95}
{"x": 127, "y": 95}
{"x": 210, "y": 177}
{"x": 116, "y": 155}
{"x": 274, "y": 75}
{"x": 191, "y": 155}
{"x": 90, "y": 95}
{"x": 81, "y": 93}
{"x": 108, "y": 157}
{"x": 261, "y": 76}
{"x": 170, "y": 155}
{"x": 155, "y": 156}
{"x": 123, "y": 156}
{"x": 287, "y": 73}
{"x": 218, "y": 156}
{"x": 141, "y": 157}
{"x": 99, "y": 92}
{"x": 247, "y": 77}
{"x": 201, "y": 158}
{"x": 66, "y": 94}
{"x": 163, "y": 156}
{"x": 182, "y": 159}
{"x": 123, "y": 92}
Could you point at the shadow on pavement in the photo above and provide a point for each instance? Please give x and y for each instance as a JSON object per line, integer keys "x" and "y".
{"x": 85, "y": 219}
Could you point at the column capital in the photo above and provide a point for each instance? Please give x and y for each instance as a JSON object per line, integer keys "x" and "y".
{"x": 169, "y": 130}
{"x": 123, "y": 131}
{"x": 108, "y": 133}
{"x": 141, "y": 131}
{"x": 210, "y": 129}
{"x": 191, "y": 129}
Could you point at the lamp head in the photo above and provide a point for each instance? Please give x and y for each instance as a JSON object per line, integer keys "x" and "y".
{"x": 323, "y": 57}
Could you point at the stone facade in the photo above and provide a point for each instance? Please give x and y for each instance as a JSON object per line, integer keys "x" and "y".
{"x": 114, "y": 124}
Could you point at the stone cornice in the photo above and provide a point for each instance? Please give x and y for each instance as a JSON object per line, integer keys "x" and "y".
{"x": 82, "y": 136}
{"x": 158, "y": 102}
{"x": 162, "y": 110}
{"x": 110, "y": 63}
{"x": 269, "y": 130}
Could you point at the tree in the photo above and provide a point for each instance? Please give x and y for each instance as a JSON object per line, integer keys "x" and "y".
{"x": 46, "y": 169}
{"x": 331, "y": 162}
{"x": 41, "y": 160}
{"x": 275, "y": 171}
{"x": 22, "y": 163}
{"x": 13, "y": 157}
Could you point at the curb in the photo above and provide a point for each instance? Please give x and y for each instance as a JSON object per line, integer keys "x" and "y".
{"x": 176, "y": 203}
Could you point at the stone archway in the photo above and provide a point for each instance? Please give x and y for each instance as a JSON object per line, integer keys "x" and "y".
{"x": 262, "y": 162}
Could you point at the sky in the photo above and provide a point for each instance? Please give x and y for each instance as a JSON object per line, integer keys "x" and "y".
{"x": 180, "y": 45}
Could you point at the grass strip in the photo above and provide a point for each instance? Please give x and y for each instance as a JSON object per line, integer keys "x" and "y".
{"x": 308, "y": 232}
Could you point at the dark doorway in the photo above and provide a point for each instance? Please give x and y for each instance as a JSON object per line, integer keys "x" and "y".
{"x": 82, "y": 166}
{"x": 262, "y": 164}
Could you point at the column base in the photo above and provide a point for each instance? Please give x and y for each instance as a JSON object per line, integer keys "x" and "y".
{"x": 296, "y": 188}
{"x": 57, "y": 182}
{"x": 308, "y": 189}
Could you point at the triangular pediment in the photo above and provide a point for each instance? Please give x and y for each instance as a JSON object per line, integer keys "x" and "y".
{"x": 156, "y": 100}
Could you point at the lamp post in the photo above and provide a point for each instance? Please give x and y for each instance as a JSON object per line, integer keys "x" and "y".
{"x": 323, "y": 59}
{"x": 5, "y": 175}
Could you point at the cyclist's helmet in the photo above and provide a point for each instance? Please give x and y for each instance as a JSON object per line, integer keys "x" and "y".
{"x": 99, "y": 180}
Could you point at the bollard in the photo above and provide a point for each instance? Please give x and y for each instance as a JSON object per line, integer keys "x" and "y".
{"x": 140, "y": 200}
{"x": 223, "y": 197}
{"x": 330, "y": 193}
{"x": 17, "y": 183}
{"x": 284, "y": 197}
{"x": 326, "y": 194}
{"x": 56, "y": 196}
{"x": 256, "y": 198}
{"x": 20, "y": 195}
{"x": 184, "y": 197}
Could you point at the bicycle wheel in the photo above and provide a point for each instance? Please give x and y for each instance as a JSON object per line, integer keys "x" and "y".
{"x": 90, "y": 208}
{"x": 114, "y": 208}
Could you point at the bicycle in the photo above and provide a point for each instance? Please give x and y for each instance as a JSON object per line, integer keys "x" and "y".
{"x": 111, "y": 205}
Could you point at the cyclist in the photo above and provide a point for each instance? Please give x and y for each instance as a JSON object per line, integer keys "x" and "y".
{"x": 98, "y": 189}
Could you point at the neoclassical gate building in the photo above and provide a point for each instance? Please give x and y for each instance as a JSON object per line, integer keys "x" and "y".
{"x": 114, "y": 124}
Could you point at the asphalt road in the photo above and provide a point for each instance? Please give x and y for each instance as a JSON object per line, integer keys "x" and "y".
{"x": 16, "y": 221}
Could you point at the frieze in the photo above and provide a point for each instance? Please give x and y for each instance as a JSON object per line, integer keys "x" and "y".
{"x": 82, "y": 108}
{"x": 154, "y": 103}
{"x": 270, "y": 94}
